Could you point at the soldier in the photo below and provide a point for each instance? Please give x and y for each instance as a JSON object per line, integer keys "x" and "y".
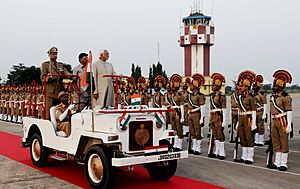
{"x": 40, "y": 101}
{"x": 247, "y": 116}
{"x": 12, "y": 104}
{"x": 261, "y": 111}
{"x": 177, "y": 116}
{"x": 217, "y": 116}
{"x": 167, "y": 103}
{"x": 158, "y": 99}
{"x": 142, "y": 89}
{"x": 281, "y": 110}
{"x": 234, "y": 110}
{"x": 185, "y": 93}
{"x": 53, "y": 83}
{"x": 195, "y": 102}
{"x": 129, "y": 89}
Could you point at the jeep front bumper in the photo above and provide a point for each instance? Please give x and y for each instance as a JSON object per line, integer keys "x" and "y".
{"x": 137, "y": 160}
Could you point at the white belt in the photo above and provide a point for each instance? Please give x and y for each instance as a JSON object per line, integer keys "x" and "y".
{"x": 235, "y": 109}
{"x": 216, "y": 110}
{"x": 260, "y": 108}
{"x": 195, "y": 110}
{"x": 246, "y": 113}
{"x": 175, "y": 107}
{"x": 279, "y": 115}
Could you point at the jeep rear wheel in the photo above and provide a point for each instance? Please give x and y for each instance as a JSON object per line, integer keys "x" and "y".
{"x": 98, "y": 169}
{"x": 39, "y": 154}
{"x": 162, "y": 171}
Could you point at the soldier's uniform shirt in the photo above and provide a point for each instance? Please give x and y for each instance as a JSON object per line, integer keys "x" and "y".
{"x": 54, "y": 87}
{"x": 279, "y": 136}
{"x": 217, "y": 102}
{"x": 245, "y": 121}
{"x": 167, "y": 102}
{"x": 234, "y": 108}
{"x": 64, "y": 125}
{"x": 145, "y": 98}
{"x": 185, "y": 97}
{"x": 175, "y": 116}
{"x": 158, "y": 100}
{"x": 126, "y": 99}
{"x": 261, "y": 99}
{"x": 193, "y": 101}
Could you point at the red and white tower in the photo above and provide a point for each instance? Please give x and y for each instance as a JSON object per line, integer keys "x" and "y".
{"x": 197, "y": 36}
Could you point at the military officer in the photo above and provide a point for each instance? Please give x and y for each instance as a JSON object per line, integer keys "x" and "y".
{"x": 177, "y": 116}
{"x": 261, "y": 111}
{"x": 195, "y": 103}
{"x": 247, "y": 116}
{"x": 281, "y": 111}
{"x": 217, "y": 116}
{"x": 129, "y": 90}
{"x": 167, "y": 103}
{"x": 142, "y": 90}
{"x": 185, "y": 92}
{"x": 53, "y": 83}
{"x": 234, "y": 110}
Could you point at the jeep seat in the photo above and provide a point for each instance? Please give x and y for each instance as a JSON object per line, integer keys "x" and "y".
{"x": 54, "y": 123}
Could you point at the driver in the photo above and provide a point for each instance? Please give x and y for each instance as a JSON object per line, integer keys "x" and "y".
{"x": 63, "y": 113}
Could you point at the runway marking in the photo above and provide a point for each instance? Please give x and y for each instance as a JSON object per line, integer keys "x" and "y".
{"x": 253, "y": 166}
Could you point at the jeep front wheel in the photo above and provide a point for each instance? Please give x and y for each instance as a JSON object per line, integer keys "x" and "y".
{"x": 98, "y": 169}
{"x": 39, "y": 154}
{"x": 162, "y": 171}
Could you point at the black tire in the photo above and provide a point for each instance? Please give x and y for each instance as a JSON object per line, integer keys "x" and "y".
{"x": 162, "y": 171}
{"x": 39, "y": 154}
{"x": 105, "y": 181}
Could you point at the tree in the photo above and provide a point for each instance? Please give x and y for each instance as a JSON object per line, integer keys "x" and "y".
{"x": 156, "y": 70}
{"x": 136, "y": 72}
{"x": 21, "y": 74}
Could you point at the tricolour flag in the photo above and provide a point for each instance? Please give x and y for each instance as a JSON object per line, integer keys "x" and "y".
{"x": 160, "y": 118}
{"x": 124, "y": 120}
{"x": 136, "y": 99}
{"x": 88, "y": 72}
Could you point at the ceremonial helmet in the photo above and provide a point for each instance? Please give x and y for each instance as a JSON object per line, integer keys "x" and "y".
{"x": 175, "y": 80}
{"x": 246, "y": 78}
{"x": 259, "y": 79}
{"x": 159, "y": 82}
{"x": 186, "y": 83}
{"x": 198, "y": 80}
{"x": 217, "y": 79}
{"x": 141, "y": 82}
{"x": 281, "y": 77}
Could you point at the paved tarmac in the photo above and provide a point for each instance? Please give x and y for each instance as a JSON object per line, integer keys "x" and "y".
{"x": 224, "y": 173}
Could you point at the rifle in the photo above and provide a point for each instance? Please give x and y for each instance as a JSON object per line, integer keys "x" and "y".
{"x": 270, "y": 151}
{"x": 231, "y": 132}
{"x": 236, "y": 145}
{"x": 211, "y": 144}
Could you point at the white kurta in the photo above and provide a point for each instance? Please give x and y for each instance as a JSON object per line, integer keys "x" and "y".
{"x": 104, "y": 85}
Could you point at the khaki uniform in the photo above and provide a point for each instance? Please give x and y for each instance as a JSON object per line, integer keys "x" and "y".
{"x": 195, "y": 100}
{"x": 245, "y": 121}
{"x": 261, "y": 99}
{"x": 158, "y": 100}
{"x": 126, "y": 99}
{"x": 64, "y": 125}
{"x": 175, "y": 116}
{"x": 167, "y": 102}
{"x": 186, "y": 109}
{"x": 145, "y": 98}
{"x": 52, "y": 87}
{"x": 217, "y": 102}
{"x": 234, "y": 109}
{"x": 279, "y": 136}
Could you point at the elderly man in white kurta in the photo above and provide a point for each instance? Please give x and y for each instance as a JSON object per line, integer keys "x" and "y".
{"x": 104, "y": 95}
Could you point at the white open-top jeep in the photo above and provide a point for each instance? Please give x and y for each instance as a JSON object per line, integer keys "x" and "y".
{"x": 103, "y": 139}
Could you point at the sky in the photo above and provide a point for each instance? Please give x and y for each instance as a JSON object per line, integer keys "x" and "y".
{"x": 250, "y": 34}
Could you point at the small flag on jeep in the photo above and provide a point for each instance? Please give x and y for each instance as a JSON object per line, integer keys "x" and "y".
{"x": 136, "y": 99}
{"x": 124, "y": 119}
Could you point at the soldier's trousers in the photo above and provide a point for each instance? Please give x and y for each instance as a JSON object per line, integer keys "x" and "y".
{"x": 279, "y": 136}
{"x": 194, "y": 125}
{"x": 216, "y": 126}
{"x": 49, "y": 103}
{"x": 260, "y": 123}
{"x": 186, "y": 116}
{"x": 65, "y": 127}
{"x": 244, "y": 131}
{"x": 176, "y": 125}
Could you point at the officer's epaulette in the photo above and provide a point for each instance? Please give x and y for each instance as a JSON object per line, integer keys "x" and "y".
{"x": 284, "y": 93}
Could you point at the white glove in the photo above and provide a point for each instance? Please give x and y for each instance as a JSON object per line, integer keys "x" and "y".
{"x": 253, "y": 126}
{"x": 202, "y": 114}
{"x": 182, "y": 113}
{"x": 264, "y": 116}
{"x": 237, "y": 125}
{"x": 289, "y": 122}
{"x": 71, "y": 106}
{"x": 224, "y": 117}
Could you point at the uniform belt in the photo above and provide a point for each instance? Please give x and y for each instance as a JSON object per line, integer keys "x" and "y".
{"x": 216, "y": 110}
{"x": 245, "y": 113}
{"x": 175, "y": 107}
{"x": 195, "y": 110}
{"x": 236, "y": 109}
{"x": 278, "y": 115}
